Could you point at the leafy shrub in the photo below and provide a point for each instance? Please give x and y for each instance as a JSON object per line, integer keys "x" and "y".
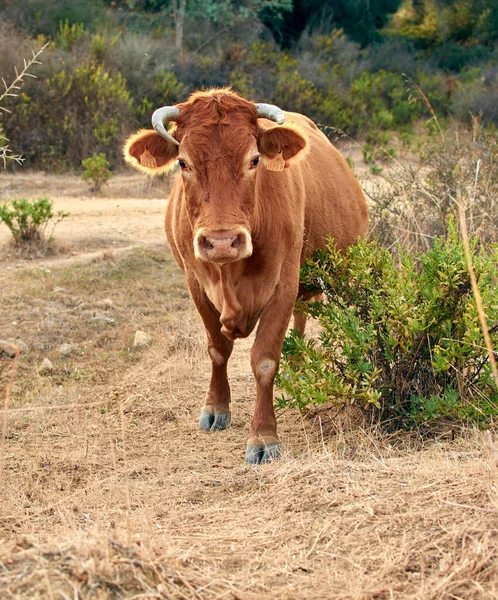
{"x": 96, "y": 169}
{"x": 404, "y": 341}
{"x": 28, "y": 220}
{"x": 44, "y": 16}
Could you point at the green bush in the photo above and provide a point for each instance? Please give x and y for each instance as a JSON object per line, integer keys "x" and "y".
{"x": 69, "y": 35}
{"x": 28, "y": 219}
{"x": 404, "y": 341}
{"x": 66, "y": 116}
{"x": 96, "y": 169}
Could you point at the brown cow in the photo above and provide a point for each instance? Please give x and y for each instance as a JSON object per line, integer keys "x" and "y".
{"x": 252, "y": 201}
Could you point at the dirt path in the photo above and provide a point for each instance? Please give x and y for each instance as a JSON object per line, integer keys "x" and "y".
{"x": 108, "y": 489}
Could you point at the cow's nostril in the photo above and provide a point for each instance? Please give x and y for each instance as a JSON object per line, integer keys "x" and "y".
{"x": 207, "y": 244}
{"x": 236, "y": 242}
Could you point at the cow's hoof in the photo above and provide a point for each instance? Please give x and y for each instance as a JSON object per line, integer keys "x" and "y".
{"x": 261, "y": 453}
{"x": 213, "y": 421}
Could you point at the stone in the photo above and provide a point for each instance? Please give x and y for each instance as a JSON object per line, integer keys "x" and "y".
{"x": 23, "y": 347}
{"x": 46, "y": 367}
{"x": 103, "y": 319}
{"x": 7, "y": 348}
{"x": 67, "y": 349}
{"x": 142, "y": 339}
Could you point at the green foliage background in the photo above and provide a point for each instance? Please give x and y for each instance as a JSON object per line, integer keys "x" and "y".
{"x": 111, "y": 63}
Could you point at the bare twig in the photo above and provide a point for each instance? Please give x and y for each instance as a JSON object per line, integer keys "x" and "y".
{"x": 11, "y": 91}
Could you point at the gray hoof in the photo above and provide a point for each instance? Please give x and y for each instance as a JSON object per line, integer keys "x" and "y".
{"x": 211, "y": 421}
{"x": 257, "y": 455}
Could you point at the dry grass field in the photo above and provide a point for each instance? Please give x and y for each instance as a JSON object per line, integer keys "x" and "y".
{"x": 109, "y": 490}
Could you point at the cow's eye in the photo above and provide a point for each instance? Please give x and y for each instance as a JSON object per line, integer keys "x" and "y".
{"x": 183, "y": 164}
{"x": 254, "y": 162}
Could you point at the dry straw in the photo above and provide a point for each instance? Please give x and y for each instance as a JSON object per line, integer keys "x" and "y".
{"x": 475, "y": 286}
{"x": 8, "y": 393}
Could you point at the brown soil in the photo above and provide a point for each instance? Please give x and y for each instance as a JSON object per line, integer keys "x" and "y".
{"x": 109, "y": 490}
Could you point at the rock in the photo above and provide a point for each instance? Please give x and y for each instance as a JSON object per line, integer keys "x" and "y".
{"x": 7, "y": 348}
{"x": 46, "y": 367}
{"x": 59, "y": 290}
{"x": 67, "y": 349}
{"x": 103, "y": 319}
{"x": 142, "y": 339}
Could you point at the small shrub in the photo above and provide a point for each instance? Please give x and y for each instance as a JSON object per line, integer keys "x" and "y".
{"x": 375, "y": 169}
{"x": 405, "y": 341}
{"x": 68, "y": 35}
{"x": 96, "y": 170}
{"x": 29, "y": 219}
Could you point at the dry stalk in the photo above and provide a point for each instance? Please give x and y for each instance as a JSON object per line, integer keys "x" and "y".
{"x": 11, "y": 91}
{"x": 127, "y": 481}
{"x": 475, "y": 287}
{"x": 6, "y": 403}
{"x": 426, "y": 101}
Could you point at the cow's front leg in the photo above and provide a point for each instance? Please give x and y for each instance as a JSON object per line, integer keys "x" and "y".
{"x": 263, "y": 444}
{"x": 215, "y": 414}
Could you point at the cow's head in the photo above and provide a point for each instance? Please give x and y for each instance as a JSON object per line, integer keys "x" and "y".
{"x": 221, "y": 143}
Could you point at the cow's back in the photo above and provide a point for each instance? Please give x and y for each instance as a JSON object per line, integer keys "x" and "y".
{"x": 335, "y": 203}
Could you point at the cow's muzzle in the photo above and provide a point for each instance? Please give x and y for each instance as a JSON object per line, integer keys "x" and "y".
{"x": 222, "y": 246}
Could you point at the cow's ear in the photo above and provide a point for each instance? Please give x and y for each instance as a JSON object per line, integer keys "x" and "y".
{"x": 150, "y": 153}
{"x": 288, "y": 139}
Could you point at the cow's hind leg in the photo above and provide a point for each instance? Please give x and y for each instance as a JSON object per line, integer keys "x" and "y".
{"x": 215, "y": 414}
{"x": 299, "y": 323}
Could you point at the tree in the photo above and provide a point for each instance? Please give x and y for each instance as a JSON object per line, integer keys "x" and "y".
{"x": 360, "y": 19}
{"x": 225, "y": 14}
{"x": 179, "y": 8}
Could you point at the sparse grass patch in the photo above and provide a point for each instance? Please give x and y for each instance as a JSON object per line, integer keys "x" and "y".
{"x": 95, "y": 307}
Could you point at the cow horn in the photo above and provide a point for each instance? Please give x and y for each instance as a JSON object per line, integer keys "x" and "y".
{"x": 272, "y": 112}
{"x": 160, "y": 116}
